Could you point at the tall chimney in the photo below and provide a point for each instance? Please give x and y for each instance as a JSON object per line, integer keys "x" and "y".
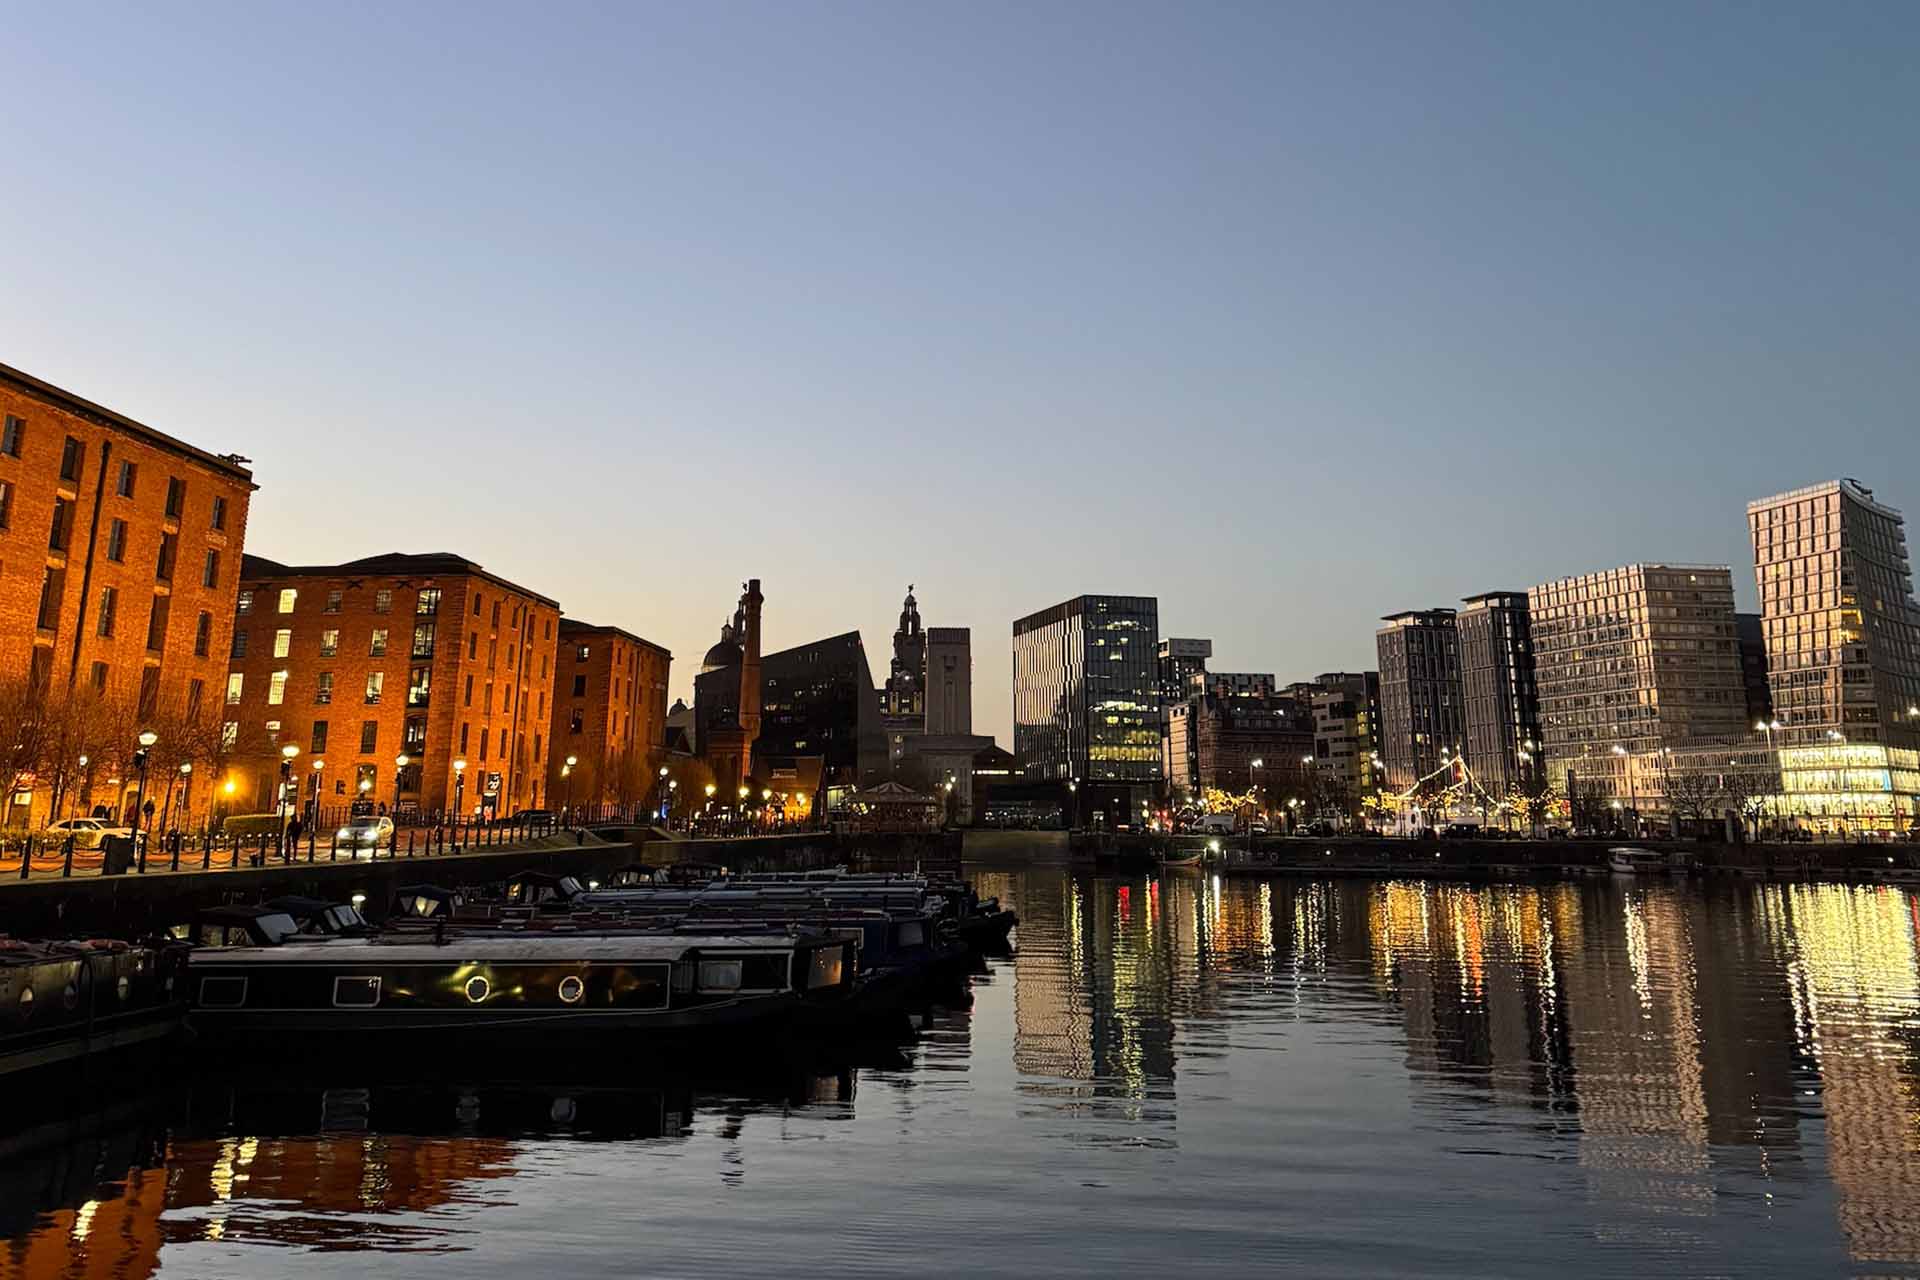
{"x": 750, "y": 675}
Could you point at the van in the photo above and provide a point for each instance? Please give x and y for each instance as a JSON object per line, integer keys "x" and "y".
{"x": 1216, "y": 824}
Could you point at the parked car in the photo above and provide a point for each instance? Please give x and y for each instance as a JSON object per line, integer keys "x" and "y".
{"x": 1460, "y": 831}
{"x": 87, "y": 833}
{"x": 1320, "y": 827}
{"x": 1218, "y": 824}
{"x": 365, "y": 833}
{"x": 532, "y": 817}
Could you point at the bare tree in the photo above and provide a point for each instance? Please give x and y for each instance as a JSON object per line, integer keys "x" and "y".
{"x": 1692, "y": 793}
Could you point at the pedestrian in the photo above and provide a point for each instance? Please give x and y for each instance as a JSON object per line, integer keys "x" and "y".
{"x": 293, "y": 832}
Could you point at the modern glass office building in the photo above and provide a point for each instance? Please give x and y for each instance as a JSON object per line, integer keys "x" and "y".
{"x": 1842, "y": 635}
{"x": 1086, "y": 701}
{"x": 1421, "y": 707}
{"x": 1497, "y": 678}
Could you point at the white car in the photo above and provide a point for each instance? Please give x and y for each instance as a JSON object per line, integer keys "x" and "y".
{"x": 364, "y": 833}
{"x": 87, "y": 833}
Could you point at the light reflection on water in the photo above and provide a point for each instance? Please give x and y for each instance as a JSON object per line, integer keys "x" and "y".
{"x": 1179, "y": 1073}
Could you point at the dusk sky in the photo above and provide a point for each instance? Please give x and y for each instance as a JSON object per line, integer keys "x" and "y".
{"x": 1290, "y": 315}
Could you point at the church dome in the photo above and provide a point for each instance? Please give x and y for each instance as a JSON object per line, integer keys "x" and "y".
{"x": 725, "y": 652}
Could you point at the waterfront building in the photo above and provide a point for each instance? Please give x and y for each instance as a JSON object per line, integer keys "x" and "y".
{"x": 819, "y": 700}
{"x": 1181, "y": 660}
{"x": 1346, "y": 735}
{"x": 727, "y": 695}
{"x": 609, "y": 716}
{"x": 1502, "y": 702}
{"x": 1842, "y": 633}
{"x": 1231, "y": 733}
{"x": 1628, "y": 662}
{"x": 1421, "y": 712}
{"x": 120, "y": 553}
{"x": 1086, "y": 701}
{"x": 949, "y": 682}
{"x": 903, "y": 707}
{"x": 384, "y": 672}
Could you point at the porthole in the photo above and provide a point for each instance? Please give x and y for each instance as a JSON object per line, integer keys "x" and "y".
{"x": 478, "y": 988}
{"x": 123, "y": 986}
{"x": 71, "y": 996}
{"x": 26, "y": 1000}
{"x": 571, "y": 989}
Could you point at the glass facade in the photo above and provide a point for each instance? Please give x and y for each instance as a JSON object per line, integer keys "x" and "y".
{"x": 1640, "y": 658}
{"x": 1497, "y": 679}
{"x": 820, "y": 700}
{"x": 1837, "y": 610}
{"x": 1086, "y": 691}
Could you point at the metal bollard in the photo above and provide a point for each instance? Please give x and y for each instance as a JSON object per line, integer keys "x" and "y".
{"x": 26, "y": 855}
{"x": 173, "y": 863}
{"x": 66, "y": 871}
{"x": 409, "y": 842}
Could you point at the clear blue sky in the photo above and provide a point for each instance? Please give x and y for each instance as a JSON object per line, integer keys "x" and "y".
{"x": 1291, "y": 315}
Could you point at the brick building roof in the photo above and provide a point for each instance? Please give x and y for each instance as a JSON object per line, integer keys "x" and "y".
{"x": 390, "y": 564}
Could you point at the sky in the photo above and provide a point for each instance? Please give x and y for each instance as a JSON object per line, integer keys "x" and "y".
{"x": 1292, "y": 315}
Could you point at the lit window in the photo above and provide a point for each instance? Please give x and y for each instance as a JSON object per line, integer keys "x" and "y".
{"x": 276, "y": 688}
{"x": 288, "y": 595}
{"x": 282, "y": 643}
{"x": 235, "y": 683}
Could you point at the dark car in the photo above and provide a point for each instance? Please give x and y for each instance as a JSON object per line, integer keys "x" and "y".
{"x": 529, "y": 818}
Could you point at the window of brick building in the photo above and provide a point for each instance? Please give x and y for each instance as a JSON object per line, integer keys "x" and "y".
{"x": 289, "y": 599}
{"x": 62, "y": 525}
{"x": 169, "y": 550}
{"x": 577, "y": 721}
{"x": 99, "y": 677}
{"x": 329, "y": 642}
{"x": 318, "y": 743}
{"x": 376, "y": 682}
{"x": 419, "y": 682}
{"x": 496, "y": 613}
{"x": 239, "y": 645}
{"x": 543, "y": 666}
{"x": 176, "y": 497}
{"x": 383, "y": 601}
{"x": 210, "y": 574}
{"x": 423, "y": 639}
{"x": 536, "y": 748}
{"x": 369, "y": 736}
{"x": 579, "y": 686}
{"x": 582, "y": 652}
{"x": 157, "y": 624}
{"x": 365, "y": 778}
{"x": 149, "y": 693}
{"x": 236, "y": 682}
{"x": 377, "y": 648}
{"x": 323, "y": 688}
{"x": 276, "y": 688}
{"x": 109, "y": 603}
{"x": 282, "y": 642}
{"x": 196, "y": 692}
{"x": 117, "y": 541}
{"x": 219, "y": 512}
{"x": 464, "y": 726}
{"x": 53, "y": 586}
{"x": 414, "y": 733}
{"x": 202, "y": 634}
{"x": 71, "y": 457}
{"x": 333, "y": 602}
{"x": 229, "y": 733}
{"x": 483, "y": 742}
{"x": 428, "y": 602}
{"x": 123, "y": 485}
{"x": 10, "y": 436}
{"x": 466, "y": 699}
{"x": 6, "y": 502}
{"x": 244, "y": 604}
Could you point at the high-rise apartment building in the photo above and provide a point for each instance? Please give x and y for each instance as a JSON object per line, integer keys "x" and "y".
{"x": 1842, "y": 635}
{"x": 119, "y": 559}
{"x": 1630, "y": 661}
{"x": 1421, "y": 709}
{"x": 1086, "y": 701}
{"x": 429, "y": 658}
{"x": 1497, "y": 680}
{"x": 609, "y": 716}
{"x": 1346, "y": 733}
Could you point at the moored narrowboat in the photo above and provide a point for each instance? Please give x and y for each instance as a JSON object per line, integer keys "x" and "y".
{"x": 61, "y": 1001}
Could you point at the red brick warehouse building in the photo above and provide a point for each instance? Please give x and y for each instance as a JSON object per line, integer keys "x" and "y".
{"x": 609, "y": 714}
{"x": 429, "y": 657}
{"x": 120, "y": 551}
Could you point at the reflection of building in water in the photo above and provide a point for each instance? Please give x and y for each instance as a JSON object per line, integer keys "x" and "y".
{"x": 117, "y": 1237}
{"x": 1633, "y": 1015}
{"x": 1856, "y": 989}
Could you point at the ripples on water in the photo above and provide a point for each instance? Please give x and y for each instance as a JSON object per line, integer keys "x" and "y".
{"x": 1177, "y": 1075}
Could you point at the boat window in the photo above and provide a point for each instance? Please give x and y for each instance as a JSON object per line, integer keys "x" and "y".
{"x": 276, "y": 927}
{"x": 356, "y": 993}
{"x": 223, "y": 993}
{"x": 571, "y": 887}
{"x": 825, "y": 967}
{"x": 421, "y": 905}
{"x": 719, "y": 975}
{"x": 912, "y": 933}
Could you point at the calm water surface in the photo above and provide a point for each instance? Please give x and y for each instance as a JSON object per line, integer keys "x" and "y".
{"x": 1177, "y": 1074}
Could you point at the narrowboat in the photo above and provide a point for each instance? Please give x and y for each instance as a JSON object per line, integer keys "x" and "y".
{"x": 62, "y": 1001}
{"x": 495, "y": 980}
{"x": 1631, "y": 861}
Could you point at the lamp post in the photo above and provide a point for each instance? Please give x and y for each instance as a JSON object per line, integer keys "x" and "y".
{"x": 662, "y": 805}
{"x": 740, "y": 815}
{"x": 459, "y": 788}
{"x": 673, "y": 785}
{"x": 313, "y": 790}
{"x": 73, "y": 800}
{"x": 186, "y": 793}
{"x": 1633, "y": 794}
{"x": 287, "y": 753}
{"x": 1073, "y": 803}
{"x": 399, "y": 767}
{"x": 566, "y": 776}
{"x": 146, "y": 740}
{"x": 707, "y": 813}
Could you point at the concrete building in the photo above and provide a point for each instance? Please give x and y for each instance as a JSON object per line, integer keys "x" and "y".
{"x": 1498, "y": 682}
{"x": 609, "y": 716}
{"x": 1346, "y": 734}
{"x": 427, "y": 658}
{"x": 1086, "y": 701}
{"x": 119, "y": 562}
{"x": 1630, "y": 661}
{"x": 949, "y": 681}
{"x": 1421, "y": 703}
{"x": 1842, "y": 632}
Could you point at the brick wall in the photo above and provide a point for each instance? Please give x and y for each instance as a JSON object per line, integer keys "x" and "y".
{"x": 609, "y": 713}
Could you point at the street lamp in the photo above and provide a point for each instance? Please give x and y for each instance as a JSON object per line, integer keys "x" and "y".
{"x": 399, "y": 767}
{"x": 287, "y": 753}
{"x": 146, "y": 740}
{"x": 566, "y": 776}
{"x": 459, "y": 787}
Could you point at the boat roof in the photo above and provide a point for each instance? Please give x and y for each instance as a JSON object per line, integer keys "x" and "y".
{"x": 482, "y": 947}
